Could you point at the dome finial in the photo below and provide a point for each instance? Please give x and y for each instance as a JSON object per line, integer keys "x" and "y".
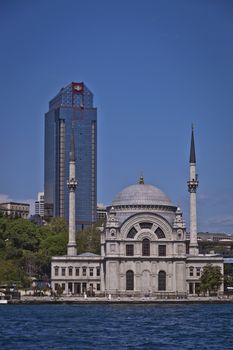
{"x": 141, "y": 180}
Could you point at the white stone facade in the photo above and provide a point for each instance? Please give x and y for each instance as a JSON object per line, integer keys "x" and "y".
{"x": 77, "y": 274}
{"x": 143, "y": 251}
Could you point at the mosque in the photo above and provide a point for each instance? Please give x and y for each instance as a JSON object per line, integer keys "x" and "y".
{"x": 144, "y": 250}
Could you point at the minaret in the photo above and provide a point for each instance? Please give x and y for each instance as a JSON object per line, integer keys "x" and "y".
{"x": 192, "y": 187}
{"x": 72, "y": 185}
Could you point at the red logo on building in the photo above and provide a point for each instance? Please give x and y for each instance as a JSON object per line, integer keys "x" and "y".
{"x": 77, "y": 88}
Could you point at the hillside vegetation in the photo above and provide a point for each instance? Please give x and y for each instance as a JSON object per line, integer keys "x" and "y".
{"x": 26, "y": 249}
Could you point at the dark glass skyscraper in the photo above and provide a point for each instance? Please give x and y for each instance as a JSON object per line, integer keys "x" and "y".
{"x": 72, "y": 107}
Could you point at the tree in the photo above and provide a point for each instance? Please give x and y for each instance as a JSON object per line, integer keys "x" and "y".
{"x": 58, "y": 225}
{"x": 22, "y": 234}
{"x": 11, "y": 274}
{"x": 28, "y": 248}
{"x": 88, "y": 240}
{"x": 211, "y": 278}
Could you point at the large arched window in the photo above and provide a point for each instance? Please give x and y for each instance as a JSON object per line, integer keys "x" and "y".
{"x": 147, "y": 225}
{"x": 159, "y": 233}
{"x": 132, "y": 233}
{"x": 162, "y": 280}
{"x": 129, "y": 280}
{"x": 145, "y": 247}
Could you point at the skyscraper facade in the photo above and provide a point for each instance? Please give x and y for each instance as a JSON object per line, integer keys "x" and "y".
{"x": 71, "y": 109}
{"x": 39, "y": 204}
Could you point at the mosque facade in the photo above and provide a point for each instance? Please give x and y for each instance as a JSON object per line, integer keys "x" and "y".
{"x": 144, "y": 250}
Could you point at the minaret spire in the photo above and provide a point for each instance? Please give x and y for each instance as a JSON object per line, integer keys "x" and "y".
{"x": 192, "y": 188}
{"x": 72, "y": 185}
{"x": 192, "y": 158}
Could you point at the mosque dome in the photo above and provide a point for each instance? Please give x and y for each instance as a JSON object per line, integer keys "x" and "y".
{"x": 141, "y": 194}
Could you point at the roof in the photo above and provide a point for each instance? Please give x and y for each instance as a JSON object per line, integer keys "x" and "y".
{"x": 88, "y": 254}
{"x": 141, "y": 194}
{"x": 17, "y": 203}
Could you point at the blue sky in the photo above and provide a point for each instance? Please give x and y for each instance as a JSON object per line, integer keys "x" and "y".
{"x": 154, "y": 67}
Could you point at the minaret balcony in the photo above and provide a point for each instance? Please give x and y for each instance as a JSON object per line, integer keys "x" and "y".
{"x": 72, "y": 184}
{"x": 192, "y": 186}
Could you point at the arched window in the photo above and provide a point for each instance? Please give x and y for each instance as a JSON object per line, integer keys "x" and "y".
{"x": 159, "y": 233}
{"x": 145, "y": 247}
{"x": 132, "y": 233}
{"x": 147, "y": 225}
{"x": 129, "y": 280}
{"x": 162, "y": 280}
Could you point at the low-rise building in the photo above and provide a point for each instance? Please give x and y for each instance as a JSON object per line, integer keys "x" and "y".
{"x": 77, "y": 275}
{"x": 15, "y": 209}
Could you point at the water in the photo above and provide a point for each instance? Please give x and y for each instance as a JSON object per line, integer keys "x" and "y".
{"x": 114, "y": 327}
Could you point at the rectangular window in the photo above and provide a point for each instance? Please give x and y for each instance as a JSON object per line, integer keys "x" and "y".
{"x": 77, "y": 271}
{"x": 97, "y": 271}
{"x": 70, "y": 287}
{"x": 56, "y": 269}
{"x": 84, "y": 287}
{"x": 84, "y": 271}
{"x": 191, "y": 271}
{"x": 77, "y": 288}
{"x": 162, "y": 250}
{"x": 129, "y": 249}
{"x": 63, "y": 286}
{"x": 91, "y": 271}
{"x": 98, "y": 286}
{"x": 190, "y": 288}
{"x": 70, "y": 271}
{"x": 63, "y": 271}
{"x": 198, "y": 271}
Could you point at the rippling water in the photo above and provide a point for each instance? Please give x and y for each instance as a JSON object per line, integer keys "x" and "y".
{"x": 114, "y": 327}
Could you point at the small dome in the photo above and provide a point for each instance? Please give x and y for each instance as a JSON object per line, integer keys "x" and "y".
{"x": 141, "y": 194}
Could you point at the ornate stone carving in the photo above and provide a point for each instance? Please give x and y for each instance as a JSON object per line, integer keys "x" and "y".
{"x": 147, "y": 234}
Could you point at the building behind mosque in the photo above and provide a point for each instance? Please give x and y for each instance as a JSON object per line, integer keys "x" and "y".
{"x": 71, "y": 108}
{"x": 144, "y": 248}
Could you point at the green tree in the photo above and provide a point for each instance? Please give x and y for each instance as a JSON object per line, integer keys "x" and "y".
{"x": 211, "y": 278}
{"x": 58, "y": 225}
{"x": 53, "y": 243}
{"x": 22, "y": 234}
{"x": 29, "y": 248}
{"x": 88, "y": 240}
{"x": 11, "y": 274}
